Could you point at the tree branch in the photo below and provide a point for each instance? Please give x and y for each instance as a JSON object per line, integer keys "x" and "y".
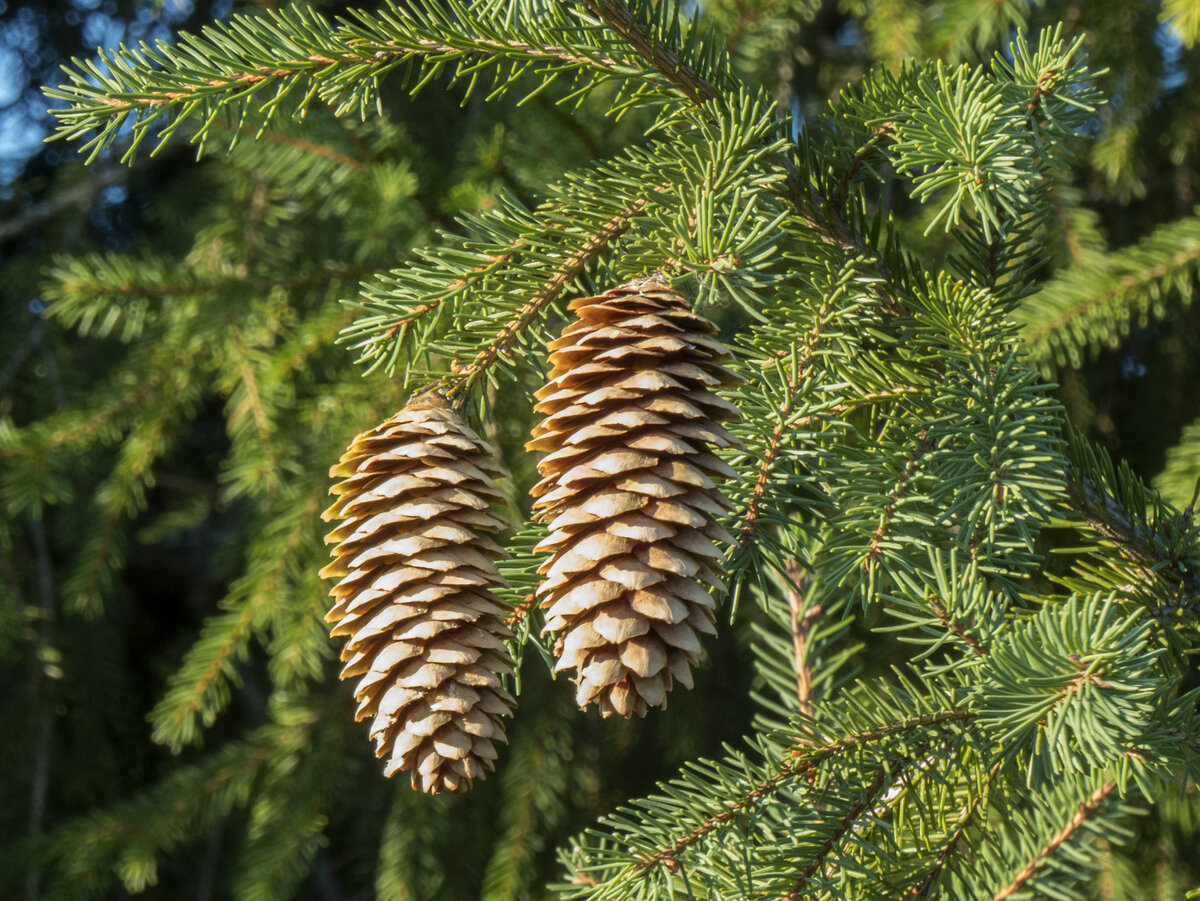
{"x": 869, "y": 795}
{"x": 616, "y": 15}
{"x": 801, "y": 619}
{"x": 1086, "y": 810}
{"x": 572, "y": 266}
{"x": 803, "y": 761}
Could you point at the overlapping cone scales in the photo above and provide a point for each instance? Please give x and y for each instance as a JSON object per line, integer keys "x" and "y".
{"x": 630, "y": 495}
{"x": 424, "y": 633}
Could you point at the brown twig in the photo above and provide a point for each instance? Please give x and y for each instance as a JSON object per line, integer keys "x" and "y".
{"x": 1086, "y": 810}
{"x": 801, "y": 618}
{"x": 804, "y": 760}
{"x": 874, "y": 551}
{"x": 869, "y": 795}
{"x": 571, "y": 267}
{"x": 952, "y": 625}
{"x": 616, "y": 15}
{"x": 921, "y": 891}
{"x": 795, "y": 386}
{"x": 369, "y": 55}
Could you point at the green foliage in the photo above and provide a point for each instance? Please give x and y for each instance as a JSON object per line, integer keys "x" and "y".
{"x": 968, "y": 634}
{"x": 1097, "y": 301}
{"x": 254, "y": 65}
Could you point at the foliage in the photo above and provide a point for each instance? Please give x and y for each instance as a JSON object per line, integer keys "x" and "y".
{"x": 969, "y": 635}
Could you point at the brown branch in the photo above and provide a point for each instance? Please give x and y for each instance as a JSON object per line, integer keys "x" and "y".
{"x": 571, "y": 267}
{"x": 253, "y": 404}
{"x": 1125, "y": 285}
{"x": 910, "y": 468}
{"x": 311, "y": 147}
{"x": 616, "y": 15}
{"x": 801, "y": 621}
{"x": 1109, "y": 518}
{"x": 804, "y": 760}
{"x": 88, "y": 427}
{"x": 795, "y": 386}
{"x": 420, "y": 311}
{"x": 943, "y": 615}
{"x": 1086, "y": 810}
{"x": 265, "y": 592}
{"x": 920, "y": 892}
{"x": 869, "y": 795}
{"x": 369, "y": 55}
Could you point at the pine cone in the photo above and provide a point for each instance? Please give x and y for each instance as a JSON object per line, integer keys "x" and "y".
{"x": 628, "y": 492}
{"x": 424, "y": 630}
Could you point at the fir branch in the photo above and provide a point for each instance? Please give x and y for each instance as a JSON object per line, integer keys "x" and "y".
{"x": 801, "y": 617}
{"x": 1086, "y": 810}
{"x": 870, "y": 793}
{"x": 874, "y": 552}
{"x": 466, "y": 376}
{"x": 1108, "y": 517}
{"x": 952, "y": 625}
{"x": 801, "y": 762}
{"x": 796, "y": 381}
{"x": 298, "y": 51}
{"x": 856, "y": 163}
{"x": 304, "y": 145}
{"x": 52, "y": 435}
{"x": 1094, "y": 303}
{"x": 618, "y": 17}
{"x": 199, "y": 689}
{"x": 977, "y": 802}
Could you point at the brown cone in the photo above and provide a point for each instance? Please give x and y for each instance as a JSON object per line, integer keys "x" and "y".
{"x": 414, "y": 599}
{"x": 628, "y": 493}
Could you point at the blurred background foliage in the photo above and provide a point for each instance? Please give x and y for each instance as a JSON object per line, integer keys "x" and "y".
{"x": 171, "y": 398}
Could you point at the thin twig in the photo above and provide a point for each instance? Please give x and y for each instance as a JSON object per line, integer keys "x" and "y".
{"x": 869, "y": 795}
{"x": 616, "y": 15}
{"x": 571, "y": 267}
{"x": 978, "y": 802}
{"x": 804, "y": 760}
{"x": 1086, "y": 810}
{"x": 801, "y": 618}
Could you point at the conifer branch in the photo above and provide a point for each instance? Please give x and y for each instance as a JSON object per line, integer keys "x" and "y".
{"x": 197, "y": 690}
{"x": 617, "y": 16}
{"x": 73, "y": 434}
{"x": 952, "y": 625}
{"x": 874, "y": 551}
{"x": 1086, "y": 810}
{"x": 859, "y": 160}
{"x": 1125, "y": 287}
{"x": 978, "y": 801}
{"x": 800, "y": 620}
{"x": 464, "y": 377}
{"x": 1109, "y": 518}
{"x": 870, "y": 793}
{"x": 795, "y": 384}
{"x": 423, "y": 310}
{"x": 324, "y": 151}
{"x": 801, "y": 762}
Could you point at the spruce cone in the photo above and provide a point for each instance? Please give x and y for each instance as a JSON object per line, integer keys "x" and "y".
{"x": 424, "y": 631}
{"x": 628, "y": 492}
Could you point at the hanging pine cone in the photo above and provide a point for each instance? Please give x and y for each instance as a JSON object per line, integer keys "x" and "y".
{"x": 414, "y": 598}
{"x": 628, "y": 492}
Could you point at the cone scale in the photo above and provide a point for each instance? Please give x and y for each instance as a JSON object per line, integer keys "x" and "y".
{"x": 630, "y": 495}
{"x": 424, "y": 633}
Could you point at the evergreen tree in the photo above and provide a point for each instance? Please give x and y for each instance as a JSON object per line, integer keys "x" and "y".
{"x": 968, "y": 633}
